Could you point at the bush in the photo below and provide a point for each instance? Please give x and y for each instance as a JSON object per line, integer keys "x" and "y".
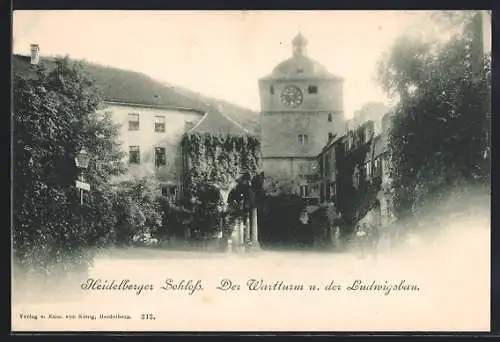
{"x": 138, "y": 211}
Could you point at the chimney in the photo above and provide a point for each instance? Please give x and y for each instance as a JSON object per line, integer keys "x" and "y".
{"x": 188, "y": 125}
{"x": 35, "y": 54}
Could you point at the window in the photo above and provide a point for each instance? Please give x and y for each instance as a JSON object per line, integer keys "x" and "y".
{"x": 327, "y": 164}
{"x": 312, "y": 90}
{"x": 355, "y": 177}
{"x": 134, "y": 155}
{"x": 303, "y": 169}
{"x": 303, "y": 139}
{"x": 160, "y": 156}
{"x": 332, "y": 192}
{"x": 348, "y": 143}
{"x": 160, "y": 124}
{"x": 304, "y": 190}
{"x": 377, "y": 168}
{"x": 271, "y": 90}
{"x": 133, "y": 122}
{"x": 368, "y": 170}
{"x": 314, "y": 166}
{"x": 368, "y": 133}
{"x": 169, "y": 191}
{"x": 330, "y": 117}
{"x": 300, "y": 71}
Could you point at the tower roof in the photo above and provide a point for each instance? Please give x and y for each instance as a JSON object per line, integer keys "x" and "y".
{"x": 299, "y": 44}
{"x": 300, "y": 65}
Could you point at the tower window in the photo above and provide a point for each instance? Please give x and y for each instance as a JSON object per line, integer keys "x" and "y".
{"x": 330, "y": 118}
{"x": 312, "y": 90}
{"x": 271, "y": 90}
{"x": 303, "y": 139}
{"x": 134, "y": 155}
{"x": 300, "y": 71}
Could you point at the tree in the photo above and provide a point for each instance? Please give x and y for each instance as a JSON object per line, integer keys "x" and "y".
{"x": 55, "y": 115}
{"x": 138, "y": 210}
{"x": 440, "y": 132}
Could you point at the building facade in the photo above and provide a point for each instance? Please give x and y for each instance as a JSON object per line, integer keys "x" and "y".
{"x": 150, "y": 136}
{"x": 355, "y": 175}
{"x": 301, "y": 110}
{"x": 152, "y": 116}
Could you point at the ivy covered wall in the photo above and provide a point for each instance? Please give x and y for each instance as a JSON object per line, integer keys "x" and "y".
{"x": 218, "y": 159}
{"x": 354, "y": 202}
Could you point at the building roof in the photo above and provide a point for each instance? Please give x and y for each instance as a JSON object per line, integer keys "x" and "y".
{"x": 379, "y": 146}
{"x": 335, "y": 141}
{"x": 215, "y": 122}
{"x": 301, "y": 66}
{"x": 134, "y": 88}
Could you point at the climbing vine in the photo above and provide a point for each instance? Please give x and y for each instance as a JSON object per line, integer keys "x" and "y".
{"x": 355, "y": 202}
{"x": 218, "y": 159}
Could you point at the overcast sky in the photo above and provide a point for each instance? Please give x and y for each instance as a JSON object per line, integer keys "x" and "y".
{"x": 220, "y": 54}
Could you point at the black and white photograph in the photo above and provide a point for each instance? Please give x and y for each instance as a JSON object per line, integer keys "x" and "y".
{"x": 251, "y": 170}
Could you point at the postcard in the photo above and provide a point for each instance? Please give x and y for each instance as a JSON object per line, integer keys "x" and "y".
{"x": 251, "y": 171}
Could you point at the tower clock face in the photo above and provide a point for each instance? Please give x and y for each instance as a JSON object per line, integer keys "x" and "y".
{"x": 292, "y": 96}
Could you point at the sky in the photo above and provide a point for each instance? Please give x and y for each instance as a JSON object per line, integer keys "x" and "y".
{"x": 220, "y": 53}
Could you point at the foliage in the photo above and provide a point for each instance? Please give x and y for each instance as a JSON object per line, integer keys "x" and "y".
{"x": 207, "y": 211}
{"x": 219, "y": 159}
{"x": 354, "y": 202}
{"x": 201, "y": 213}
{"x": 54, "y": 116}
{"x": 442, "y": 121}
{"x": 139, "y": 211}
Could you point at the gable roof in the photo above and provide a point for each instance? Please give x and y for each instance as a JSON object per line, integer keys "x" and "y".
{"x": 215, "y": 122}
{"x": 130, "y": 87}
{"x": 380, "y": 145}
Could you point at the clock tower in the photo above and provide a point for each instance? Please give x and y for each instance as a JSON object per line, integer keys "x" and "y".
{"x": 301, "y": 109}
